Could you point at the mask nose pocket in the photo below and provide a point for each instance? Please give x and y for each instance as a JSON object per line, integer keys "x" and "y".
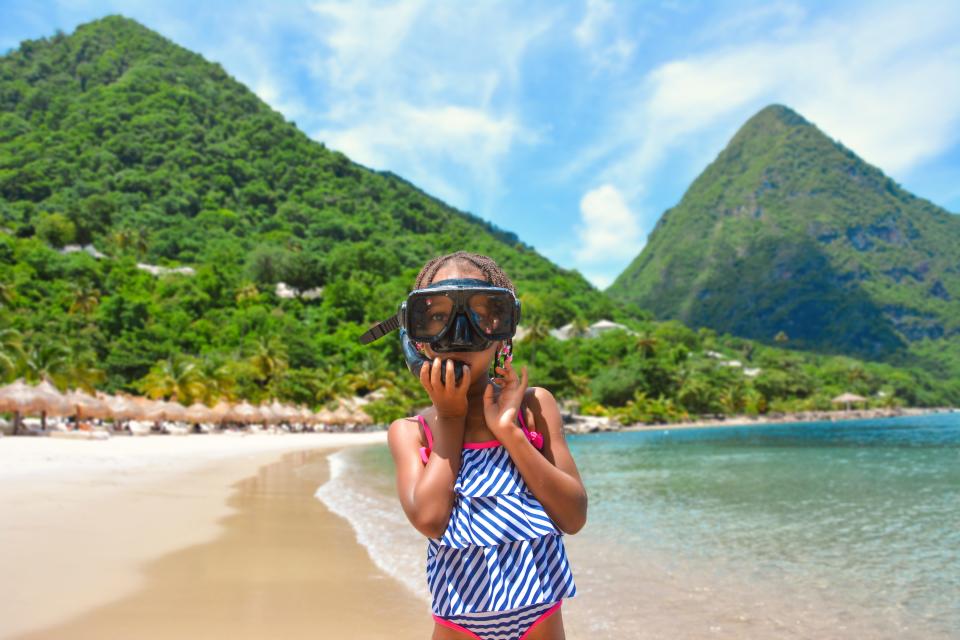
{"x": 461, "y": 331}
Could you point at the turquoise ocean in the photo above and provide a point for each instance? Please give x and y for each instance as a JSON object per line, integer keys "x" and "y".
{"x": 809, "y": 530}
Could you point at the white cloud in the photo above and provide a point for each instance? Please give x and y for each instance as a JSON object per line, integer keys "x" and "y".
{"x": 609, "y": 230}
{"x": 364, "y": 38}
{"x": 881, "y": 80}
{"x": 600, "y": 34}
{"x": 598, "y": 14}
{"x": 421, "y": 138}
{"x": 599, "y": 280}
{"x": 426, "y": 92}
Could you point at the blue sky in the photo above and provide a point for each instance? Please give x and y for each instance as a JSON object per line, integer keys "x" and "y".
{"x": 574, "y": 124}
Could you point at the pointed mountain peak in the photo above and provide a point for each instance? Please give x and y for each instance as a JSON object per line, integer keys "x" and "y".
{"x": 773, "y": 121}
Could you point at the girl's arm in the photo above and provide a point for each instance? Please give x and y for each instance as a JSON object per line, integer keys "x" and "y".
{"x": 551, "y": 476}
{"x": 426, "y": 491}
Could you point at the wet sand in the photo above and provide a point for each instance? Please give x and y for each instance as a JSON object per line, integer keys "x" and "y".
{"x": 277, "y": 564}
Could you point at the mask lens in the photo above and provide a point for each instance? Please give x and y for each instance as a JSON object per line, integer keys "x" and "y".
{"x": 491, "y": 312}
{"x": 429, "y": 315}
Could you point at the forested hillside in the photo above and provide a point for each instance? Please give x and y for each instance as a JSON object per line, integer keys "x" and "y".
{"x": 119, "y": 140}
{"x": 117, "y": 137}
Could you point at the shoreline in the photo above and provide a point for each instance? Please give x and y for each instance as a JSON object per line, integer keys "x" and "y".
{"x": 89, "y": 520}
{"x": 744, "y": 420}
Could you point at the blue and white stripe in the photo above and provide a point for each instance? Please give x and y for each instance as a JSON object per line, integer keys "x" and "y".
{"x": 502, "y": 625}
{"x": 500, "y": 550}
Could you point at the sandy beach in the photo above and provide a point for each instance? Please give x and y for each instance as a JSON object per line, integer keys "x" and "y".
{"x": 200, "y": 536}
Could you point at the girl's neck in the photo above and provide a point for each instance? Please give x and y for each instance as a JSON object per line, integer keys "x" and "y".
{"x": 475, "y": 401}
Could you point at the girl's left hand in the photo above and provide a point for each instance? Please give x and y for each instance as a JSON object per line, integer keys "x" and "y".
{"x": 501, "y": 414}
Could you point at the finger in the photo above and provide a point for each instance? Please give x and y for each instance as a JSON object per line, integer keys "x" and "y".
{"x": 425, "y": 376}
{"x": 435, "y": 374}
{"x": 451, "y": 380}
{"x": 523, "y": 380}
{"x": 465, "y": 381}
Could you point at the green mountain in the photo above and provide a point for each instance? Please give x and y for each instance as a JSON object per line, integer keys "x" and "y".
{"x": 117, "y": 137}
{"x": 788, "y": 232}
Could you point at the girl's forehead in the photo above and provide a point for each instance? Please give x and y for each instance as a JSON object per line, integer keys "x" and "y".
{"x": 447, "y": 272}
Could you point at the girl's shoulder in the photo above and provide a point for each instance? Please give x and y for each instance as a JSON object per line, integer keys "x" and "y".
{"x": 409, "y": 428}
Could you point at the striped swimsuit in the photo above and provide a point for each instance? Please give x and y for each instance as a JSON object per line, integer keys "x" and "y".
{"x": 500, "y": 567}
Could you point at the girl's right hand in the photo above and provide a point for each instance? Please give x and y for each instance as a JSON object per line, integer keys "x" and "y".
{"x": 450, "y": 398}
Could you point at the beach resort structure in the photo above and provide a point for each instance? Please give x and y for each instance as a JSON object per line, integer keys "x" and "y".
{"x": 80, "y": 414}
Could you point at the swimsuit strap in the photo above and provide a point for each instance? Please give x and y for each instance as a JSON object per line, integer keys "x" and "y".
{"x": 425, "y": 451}
{"x": 534, "y": 437}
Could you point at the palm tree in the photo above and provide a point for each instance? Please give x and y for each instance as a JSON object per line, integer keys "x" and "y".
{"x": 537, "y": 332}
{"x": 371, "y": 375}
{"x": 332, "y": 383}
{"x": 269, "y": 361}
{"x": 647, "y": 344}
{"x": 218, "y": 378}
{"x": 176, "y": 377}
{"x": 579, "y": 327}
{"x": 48, "y": 360}
{"x": 85, "y": 300}
{"x": 83, "y": 372}
{"x": 246, "y": 292}
{"x": 11, "y": 352}
{"x": 6, "y": 294}
{"x": 131, "y": 239}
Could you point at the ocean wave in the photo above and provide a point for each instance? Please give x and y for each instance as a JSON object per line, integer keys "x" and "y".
{"x": 378, "y": 523}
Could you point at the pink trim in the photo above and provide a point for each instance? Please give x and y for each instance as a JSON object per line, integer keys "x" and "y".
{"x": 546, "y": 614}
{"x": 426, "y": 430}
{"x": 456, "y": 627}
{"x": 486, "y": 444}
{"x": 535, "y": 438}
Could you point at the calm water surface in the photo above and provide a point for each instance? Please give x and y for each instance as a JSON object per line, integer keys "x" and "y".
{"x": 816, "y": 530}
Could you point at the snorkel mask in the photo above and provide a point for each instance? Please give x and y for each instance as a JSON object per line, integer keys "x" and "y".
{"x": 460, "y": 314}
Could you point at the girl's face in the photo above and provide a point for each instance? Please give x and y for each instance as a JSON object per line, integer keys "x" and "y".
{"x": 479, "y": 361}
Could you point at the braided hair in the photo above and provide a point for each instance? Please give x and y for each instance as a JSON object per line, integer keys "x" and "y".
{"x": 490, "y": 269}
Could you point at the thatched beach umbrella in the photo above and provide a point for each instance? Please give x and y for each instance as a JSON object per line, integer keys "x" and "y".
{"x": 52, "y": 402}
{"x": 342, "y": 415}
{"x": 86, "y": 406}
{"x": 161, "y": 410}
{"x": 847, "y": 398}
{"x": 121, "y": 407}
{"x": 220, "y": 411}
{"x": 19, "y": 398}
{"x": 305, "y": 416}
{"x": 324, "y": 417}
{"x": 359, "y": 416}
{"x": 245, "y": 412}
{"x": 199, "y": 412}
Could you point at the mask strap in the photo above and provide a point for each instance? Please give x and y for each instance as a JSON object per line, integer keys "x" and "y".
{"x": 380, "y": 330}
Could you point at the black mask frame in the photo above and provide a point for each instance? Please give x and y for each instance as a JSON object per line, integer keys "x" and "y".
{"x": 461, "y": 331}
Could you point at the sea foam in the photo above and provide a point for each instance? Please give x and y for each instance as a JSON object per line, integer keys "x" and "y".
{"x": 378, "y": 522}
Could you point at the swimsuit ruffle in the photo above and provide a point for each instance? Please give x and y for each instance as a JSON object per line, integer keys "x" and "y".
{"x": 498, "y": 578}
{"x": 485, "y": 521}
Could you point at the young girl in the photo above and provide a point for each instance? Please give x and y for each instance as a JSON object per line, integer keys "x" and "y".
{"x": 486, "y": 475}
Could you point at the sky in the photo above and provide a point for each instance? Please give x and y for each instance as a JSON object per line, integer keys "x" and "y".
{"x": 573, "y": 124}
